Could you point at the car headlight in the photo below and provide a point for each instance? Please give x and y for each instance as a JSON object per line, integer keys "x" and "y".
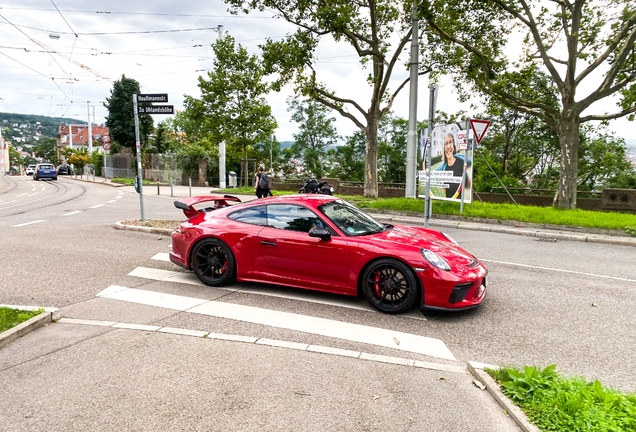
{"x": 435, "y": 259}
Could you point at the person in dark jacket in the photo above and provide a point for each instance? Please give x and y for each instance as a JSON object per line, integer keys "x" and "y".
{"x": 262, "y": 184}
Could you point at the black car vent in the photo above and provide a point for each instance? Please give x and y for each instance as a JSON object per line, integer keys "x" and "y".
{"x": 459, "y": 292}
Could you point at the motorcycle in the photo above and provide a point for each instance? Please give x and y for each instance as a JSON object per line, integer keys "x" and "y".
{"x": 313, "y": 186}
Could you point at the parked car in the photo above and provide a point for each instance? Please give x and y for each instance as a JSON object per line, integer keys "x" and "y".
{"x": 320, "y": 242}
{"x": 44, "y": 171}
{"x": 30, "y": 170}
{"x": 64, "y": 170}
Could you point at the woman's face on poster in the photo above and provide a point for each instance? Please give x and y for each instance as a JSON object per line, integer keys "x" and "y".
{"x": 449, "y": 146}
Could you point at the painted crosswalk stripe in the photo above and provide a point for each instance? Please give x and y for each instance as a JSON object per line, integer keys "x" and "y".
{"x": 111, "y": 201}
{"x": 71, "y": 213}
{"x": 161, "y": 256}
{"x": 97, "y": 206}
{"x": 264, "y": 290}
{"x": 307, "y": 324}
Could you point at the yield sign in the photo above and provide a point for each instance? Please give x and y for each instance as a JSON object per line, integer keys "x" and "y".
{"x": 479, "y": 128}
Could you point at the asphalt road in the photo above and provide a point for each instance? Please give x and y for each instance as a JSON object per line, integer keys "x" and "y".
{"x": 569, "y": 303}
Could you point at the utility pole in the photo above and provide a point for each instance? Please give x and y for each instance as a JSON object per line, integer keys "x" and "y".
{"x": 90, "y": 129}
{"x": 411, "y": 138}
{"x": 222, "y": 175}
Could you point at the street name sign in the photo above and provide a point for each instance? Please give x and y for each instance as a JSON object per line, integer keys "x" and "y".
{"x": 156, "y": 109}
{"x": 155, "y": 97}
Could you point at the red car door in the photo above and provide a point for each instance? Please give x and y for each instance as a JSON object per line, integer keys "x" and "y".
{"x": 291, "y": 257}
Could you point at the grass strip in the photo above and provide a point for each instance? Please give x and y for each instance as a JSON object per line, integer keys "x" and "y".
{"x": 12, "y": 317}
{"x": 557, "y": 404}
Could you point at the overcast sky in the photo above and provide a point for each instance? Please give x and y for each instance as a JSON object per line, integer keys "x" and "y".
{"x": 165, "y": 46}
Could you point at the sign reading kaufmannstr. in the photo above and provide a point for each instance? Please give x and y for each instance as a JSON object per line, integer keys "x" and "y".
{"x": 156, "y": 97}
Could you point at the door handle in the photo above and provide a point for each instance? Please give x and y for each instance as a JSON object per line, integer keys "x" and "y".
{"x": 268, "y": 243}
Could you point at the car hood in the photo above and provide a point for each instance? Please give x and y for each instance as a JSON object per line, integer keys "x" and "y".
{"x": 423, "y": 238}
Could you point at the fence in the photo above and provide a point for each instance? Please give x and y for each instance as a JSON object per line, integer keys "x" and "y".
{"x": 156, "y": 167}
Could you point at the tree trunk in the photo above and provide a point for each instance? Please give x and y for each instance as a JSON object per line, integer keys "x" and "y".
{"x": 371, "y": 157}
{"x": 202, "y": 172}
{"x": 569, "y": 140}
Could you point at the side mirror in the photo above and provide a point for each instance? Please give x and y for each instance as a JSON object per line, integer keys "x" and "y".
{"x": 322, "y": 233}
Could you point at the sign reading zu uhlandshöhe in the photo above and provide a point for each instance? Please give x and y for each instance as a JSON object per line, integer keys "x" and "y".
{"x": 156, "y": 109}
{"x": 154, "y": 97}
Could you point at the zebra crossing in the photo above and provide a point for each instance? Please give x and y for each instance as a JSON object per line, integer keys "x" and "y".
{"x": 376, "y": 336}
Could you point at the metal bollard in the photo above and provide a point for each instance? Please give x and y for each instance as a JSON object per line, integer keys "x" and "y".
{"x": 158, "y": 193}
{"x": 190, "y": 187}
{"x": 171, "y": 185}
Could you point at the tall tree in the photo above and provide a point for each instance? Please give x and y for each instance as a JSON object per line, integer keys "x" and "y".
{"x": 574, "y": 42}
{"x": 377, "y": 31}
{"x": 47, "y": 150}
{"x": 232, "y": 106}
{"x": 120, "y": 119}
{"x": 15, "y": 158}
{"x": 316, "y": 132}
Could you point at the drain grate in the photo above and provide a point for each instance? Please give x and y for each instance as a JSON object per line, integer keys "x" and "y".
{"x": 547, "y": 240}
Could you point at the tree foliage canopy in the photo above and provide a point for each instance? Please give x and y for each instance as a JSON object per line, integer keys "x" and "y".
{"x": 377, "y": 31}
{"x": 572, "y": 42}
{"x": 120, "y": 119}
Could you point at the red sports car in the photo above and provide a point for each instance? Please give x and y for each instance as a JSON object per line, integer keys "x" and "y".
{"x": 321, "y": 242}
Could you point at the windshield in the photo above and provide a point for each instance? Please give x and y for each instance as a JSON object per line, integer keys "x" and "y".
{"x": 349, "y": 219}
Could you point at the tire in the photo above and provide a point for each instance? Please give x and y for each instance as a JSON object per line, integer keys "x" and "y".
{"x": 390, "y": 286}
{"x": 213, "y": 262}
{"x": 55, "y": 178}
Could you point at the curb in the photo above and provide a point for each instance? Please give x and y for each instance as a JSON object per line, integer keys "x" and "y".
{"x": 510, "y": 409}
{"x": 161, "y": 231}
{"x": 49, "y": 315}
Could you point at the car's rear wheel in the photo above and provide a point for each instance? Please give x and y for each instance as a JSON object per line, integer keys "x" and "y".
{"x": 390, "y": 286}
{"x": 213, "y": 262}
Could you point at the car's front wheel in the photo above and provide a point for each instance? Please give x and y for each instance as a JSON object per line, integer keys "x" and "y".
{"x": 213, "y": 262}
{"x": 390, "y": 286}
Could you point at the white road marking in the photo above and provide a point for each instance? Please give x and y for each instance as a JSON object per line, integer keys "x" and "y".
{"x": 111, "y": 201}
{"x": 162, "y": 256}
{"x": 34, "y": 194}
{"x": 18, "y": 196}
{"x": 33, "y": 189}
{"x": 72, "y": 213}
{"x": 119, "y": 197}
{"x": 273, "y": 342}
{"x": 290, "y": 321}
{"x": 97, "y": 206}
{"x": 28, "y": 223}
{"x": 9, "y": 202}
{"x": 560, "y": 270}
{"x": 265, "y": 290}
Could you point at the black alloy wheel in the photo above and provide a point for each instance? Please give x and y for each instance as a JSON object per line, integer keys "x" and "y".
{"x": 390, "y": 286}
{"x": 213, "y": 262}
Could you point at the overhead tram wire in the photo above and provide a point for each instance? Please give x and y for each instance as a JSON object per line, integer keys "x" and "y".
{"x": 39, "y": 73}
{"x": 69, "y": 26}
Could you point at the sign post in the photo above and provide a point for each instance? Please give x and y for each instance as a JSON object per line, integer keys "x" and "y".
{"x": 146, "y": 109}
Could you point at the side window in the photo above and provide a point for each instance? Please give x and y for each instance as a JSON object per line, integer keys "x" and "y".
{"x": 292, "y": 217}
{"x": 254, "y": 216}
